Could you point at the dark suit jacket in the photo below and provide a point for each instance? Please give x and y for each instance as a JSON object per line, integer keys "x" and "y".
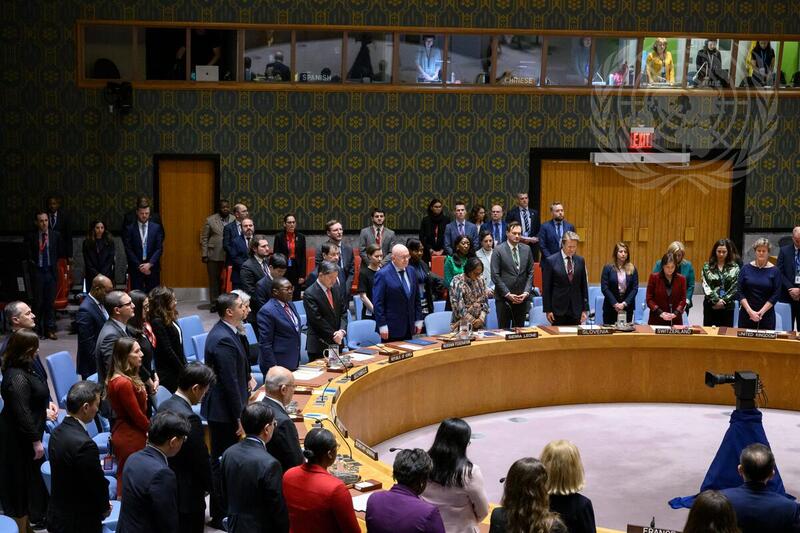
{"x": 298, "y": 266}
{"x": 98, "y": 258}
{"x": 451, "y": 234}
{"x": 226, "y": 356}
{"x": 560, "y": 296}
{"x": 610, "y": 289}
{"x": 342, "y": 287}
{"x": 168, "y": 354}
{"x": 285, "y": 443}
{"x": 236, "y": 252}
{"x": 432, "y": 284}
{"x": 130, "y": 217}
{"x": 133, "y": 245}
{"x": 392, "y": 307}
{"x": 279, "y": 339}
{"x": 249, "y": 275}
{"x": 110, "y": 332}
{"x": 149, "y": 493}
{"x": 346, "y": 265}
{"x": 261, "y": 297}
{"x": 79, "y": 490}
{"x": 488, "y": 227}
{"x": 55, "y": 250}
{"x": 549, "y": 242}
{"x": 89, "y": 321}
{"x": 62, "y": 225}
{"x": 787, "y": 269}
{"x": 514, "y": 215}
{"x": 252, "y": 485}
{"x": 759, "y": 510}
{"x": 191, "y": 465}
{"x": 322, "y": 320}
{"x": 508, "y": 279}
{"x": 658, "y": 301}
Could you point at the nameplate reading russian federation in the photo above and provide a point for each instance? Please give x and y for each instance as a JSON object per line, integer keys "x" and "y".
{"x": 520, "y": 336}
{"x": 395, "y": 357}
{"x": 647, "y": 529}
{"x": 750, "y": 334}
{"x": 456, "y": 344}
{"x": 366, "y": 450}
{"x": 673, "y": 331}
{"x": 360, "y": 373}
{"x": 337, "y": 421}
{"x": 337, "y": 394}
{"x": 593, "y": 331}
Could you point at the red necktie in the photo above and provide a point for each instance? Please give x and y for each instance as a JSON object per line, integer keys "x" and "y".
{"x": 329, "y": 294}
{"x": 378, "y": 236}
{"x": 570, "y": 269}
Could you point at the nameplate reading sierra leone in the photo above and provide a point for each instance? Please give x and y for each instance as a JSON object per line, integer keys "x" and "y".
{"x": 520, "y": 336}
{"x": 456, "y": 344}
{"x": 366, "y": 450}
{"x": 641, "y": 529}
{"x": 673, "y": 331}
{"x": 402, "y": 356}
{"x": 594, "y": 331}
{"x": 754, "y": 334}
{"x": 360, "y": 373}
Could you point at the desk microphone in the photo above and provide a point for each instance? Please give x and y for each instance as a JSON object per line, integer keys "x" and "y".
{"x": 502, "y": 480}
{"x": 396, "y": 449}
{"x": 653, "y": 522}
{"x": 318, "y": 424}
{"x": 703, "y": 66}
{"x": 324, "y": 391}
{"x": 670, "y": 312}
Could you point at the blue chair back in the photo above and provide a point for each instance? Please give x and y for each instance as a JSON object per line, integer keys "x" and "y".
{"x": 359, "y": 306}
{"x": 7, "y": 525}
{"x": 301, "y": 311}
{"x": 63, "y": 375}
{"x": 597, "y": 305}
{"x": 645, "y": 315}
{"x": 438, "y": 323}
{"x": 361, "y": 333}
{"x": 111, "y": 520}
{"x": 491, "y": 318}
{"x": 783, "y": 316}
{"x": 199, "y": 343}
{"x": 736, "y": 313}
{"x": 190, "y": 326}
{"x": 638, "y": 311}
{"x": 538, "y": 316}
{"x": 594, "y": 292}
{"x": 93, "y": 378}
{"x": 439, "y": 305}
{"x": 537, "y": 301}
{"x": 303, "y": 351}
{"x": 47, "y": 475}
{"x": 250, "y": 333}
{"x": 162, "y": 395}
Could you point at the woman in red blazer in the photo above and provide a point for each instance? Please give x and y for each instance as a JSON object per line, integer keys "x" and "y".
{"x": 666, "y": 294}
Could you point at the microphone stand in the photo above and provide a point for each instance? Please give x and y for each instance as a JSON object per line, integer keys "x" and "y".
{"x": 324, "y": 391}
{"x": 318, "y": 423}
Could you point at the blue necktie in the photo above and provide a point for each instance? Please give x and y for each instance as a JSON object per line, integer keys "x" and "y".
{"x": 496, "y": 232}
{"x": 404, "y": 281}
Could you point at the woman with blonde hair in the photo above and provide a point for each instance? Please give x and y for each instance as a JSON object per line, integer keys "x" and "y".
{"x": 619, "y": 284}
{"x": 683, "y": 267}
{"x": 565, "y": 480}
{"x": 660, "y": 68}
{"x": 759, "y": 289}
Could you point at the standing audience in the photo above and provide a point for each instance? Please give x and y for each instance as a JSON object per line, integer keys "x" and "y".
{"x": 120, "y": 309}
{"x": 378, "y": 234}
{"x": 44, "y": 248}
{"x": 512, "y": 274}
{"x": 89, "y": 321}
{"x": 551, "y": 233}
{"x": 99, "y": 253}
{"x": 429, "y": 285}
{"x": 528, "y": 220}
{"x": 292, "y": 245}
{"x": 525, "y": 500}
{"x": 720, "y": 284}
{"x": 277, "y": 266}
{"x": 279, "y": 329}
{"x": 398, "y": 313}
{"x": 212, "y": 253}
{"x": 285, "y": 443}
{"x": 565, "y": 287}
{"x": 236, "y": 241}
{"x": 460, "y": 227}
{"x": 666, "y": 294}
{"x": 59, "y": 221}
{"x": 565, "y": 480}
{"x": 496, "y": 226}
{"x": 684, "y": 268}
{"x": 432, "y": 229}
{"x": 485, "y": 253}
{"x": 366, "y": 279}
{"x": 455, "y": 262}
{"x": 759, "y": 289}
{"x": 325, "y": 311}
{"x": 255, "y": 267}
{"x": 478, "y": 215}
{"x": 144, "y": 244}
{"x": 169, "y": 356}
{"x": 139, "y": 328}
{"x": 619, "y": 284}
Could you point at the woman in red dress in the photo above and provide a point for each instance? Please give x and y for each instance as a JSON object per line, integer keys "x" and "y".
{"x": 128, "y": 398}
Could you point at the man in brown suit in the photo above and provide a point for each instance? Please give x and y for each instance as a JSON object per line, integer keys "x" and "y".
{"x": 213, "y": 254}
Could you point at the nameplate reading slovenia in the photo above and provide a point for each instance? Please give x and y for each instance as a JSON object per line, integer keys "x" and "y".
{"x": 594, "y": 331}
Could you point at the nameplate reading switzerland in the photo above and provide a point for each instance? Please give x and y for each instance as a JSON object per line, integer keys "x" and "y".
{"x": 673, "y": 331}
{"x": 402, "y": 356}
{"x": 520, "y": 336}
{"x": 337, "y": 421}
{"x": 360, "y": 373}
{"x": 750, "y": 334}
{"x": 366, "y": 450}
{"x": 593, "y": 331}
{"x": 456, "y": 344}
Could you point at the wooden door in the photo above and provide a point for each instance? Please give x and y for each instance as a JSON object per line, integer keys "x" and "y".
{"x": 186, "y": 197}
{"x": 606, "y": 207}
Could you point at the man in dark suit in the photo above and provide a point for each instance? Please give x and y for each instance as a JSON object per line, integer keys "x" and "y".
{"x": 396, "y": 301}
{"x": 346, "y": 259}
{"x": 253, "y": 479}
{"x": 458, "y": 227}
{"x": 255, "y": 267}
{"x": 191, "y": 465}
{"x": 325, "y": 312}
{"x": 149, "y": 488}
{"x": 552, "y": 231}
{"x": 376, "y": 233}
{"x": 223, "y": 404}
{"x": 144, "y": 244}
{"x": 529, "y": 222}
{"x": 60, "y": 221}
{"x": 79, "y": 489}
{"x": 279, "y": 329}
{"x": 236, "y": 241}
{"x": 89, "y": 321}
{"x": 789, "y": 267}
{"x": 512, "y": 274}
{"x": 331, "y": 252}
{"x": 44, "y": 248}
{"x": 277, "y": 268}
{"x": 292, "y": 245}
{"x": 496, "y": 226}
{"x": 758, "y": 509}
{"x": 130, "y": 217}
{"x": 285, "y": 443}
{"x": 565, "y": 289}
{"x": 120, "y": 308}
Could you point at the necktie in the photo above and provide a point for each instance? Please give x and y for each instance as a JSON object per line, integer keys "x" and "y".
{"x": 515, "y": 256}
{"x": 570, "y": 269}
{"x": 496, "y": 232}
{"x": 558, "y": 231}
{"x": 247, "y": 243}
{"x": 797, "y": 260}
{"x": 264, "y": 267}
{"x": 44, "y": 257}
{"x": 239, "y": 228}
{"x": 404, "y": 280}
{"x": 378, "y": 236}
{"x": 143, "y": 234}
{"x": 291, "y": 316}
{"x": 53, "y": 220}
{"x": 461, "y": 228}
{"x": 329, "y": 294}
{"x": 526, "y": 222}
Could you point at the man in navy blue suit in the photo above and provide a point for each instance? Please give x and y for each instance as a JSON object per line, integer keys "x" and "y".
{"x": 529, "y": 222}
{"x": 144, "y": 243}
{"x": 458, "y": 227}
{"x": 279, "y": 329}
{"x": 496, "y": 226}
{"x": 758, "y": 509}
{"x": 565, "y": 288}
{"x": 789, "y": 267}
{"x": 553, "y": 230}
{"x": 89, "y": 321}
{"x": 44, "y": 247}
{"x": 149, "y": 486}
{"x": 397, "y": 307}
{"x": 236, "y": 241}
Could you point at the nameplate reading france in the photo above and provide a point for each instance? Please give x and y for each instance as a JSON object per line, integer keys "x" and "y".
{"x": 594, "y": 331}
{"x": 360, "y": 373}
{"x": 366, "y": 450}
{"x": 641, "y": 529}
{"x": 673, "y": 331}
{"x": 456, "y": 344}
{"x": 520, "y": 336}
{"x": 337, "y": 421}
{"x": 752, "y": 334}
{"x": 402, "y": 356}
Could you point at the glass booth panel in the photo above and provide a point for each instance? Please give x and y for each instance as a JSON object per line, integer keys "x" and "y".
{"x": 568, "y": 61}
{"x": 212, "y": 54}
{"x": 662, "y": 62}
{"x": 267, "y": 56}
{"x": 369, "y": 57}
{"x": 421, "y": 58}
{"x": 160, "y": 53}
{"x": 319, "y": 56}
{"x": 709, "y": 63}
{"x": 790, "y": 63}
{"x": 108, "y": 52}
{"x": 756, "y": 64}
{"x": 519, "y": 59}
{"x": 469, "y": 59}
{"x": 614, "y": 62}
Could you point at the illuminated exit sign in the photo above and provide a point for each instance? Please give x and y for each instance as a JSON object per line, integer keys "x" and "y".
{"x": 641, "y": 138}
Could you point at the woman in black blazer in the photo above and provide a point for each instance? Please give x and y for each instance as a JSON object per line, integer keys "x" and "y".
{"x": 431, "y": 229}
{"x": 99, "y": 253}
{"x": 168, "y": 352}
{"x": 565, "y": 478}
{"x": 139, "y": 327}
{"x": 619, "y": 284}
{"x": 293, "y": 246}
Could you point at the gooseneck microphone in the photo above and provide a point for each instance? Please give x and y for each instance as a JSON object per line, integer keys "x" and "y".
{"x": 324, "y": 391}
{"x": 318, "y": 423}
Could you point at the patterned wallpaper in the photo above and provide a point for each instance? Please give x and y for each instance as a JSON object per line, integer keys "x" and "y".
{"x": 337, "y": 154}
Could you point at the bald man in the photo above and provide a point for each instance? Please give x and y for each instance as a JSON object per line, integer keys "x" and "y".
{"x": 89, "y": 321}
{"x": 396, "y": 298}
{"x": 285, "y": 444}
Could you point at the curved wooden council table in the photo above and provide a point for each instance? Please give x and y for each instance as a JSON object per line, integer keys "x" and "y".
{"x": 498, "y": 375}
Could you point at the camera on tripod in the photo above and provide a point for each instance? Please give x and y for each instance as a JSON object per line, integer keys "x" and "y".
{"x": 746, "y": 385}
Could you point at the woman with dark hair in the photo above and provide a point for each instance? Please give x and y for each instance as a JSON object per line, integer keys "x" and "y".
{"x": 526, "y": 505}
{"x": 666, "y": 294}
{"x": 468, "y": 296}
{"x": 565, "y": 480}
{"x": 431, "y": 229}
{"x": 454, "y": 264}
{"x": 711, "y": 513}
{"x": 720, "y": 284}
{"x": 316, "y": 500}
{"x": 455, "y": 485}
{"x": 128, "y": 398}
{"x": 478, "y": 215}
{"x": 619, "y": 284}
{"x": 140, "y": 329}
{"x": 99, "y": 253}
{"x": 168, "y": 349}
{"x": 366, "y": 279}
{"x": 22, "y": 424}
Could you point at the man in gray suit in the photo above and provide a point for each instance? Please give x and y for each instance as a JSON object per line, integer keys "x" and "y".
{"x": 512, "y": 274}
{"x": 211, "y": 249}
{"x": 376, "y": 233}
{"x": 120, "y": 309}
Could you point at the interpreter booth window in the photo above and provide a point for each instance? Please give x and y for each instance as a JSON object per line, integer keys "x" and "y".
{"x": 369, "y": 57}
{"x": 756, "y": 64}
{"x": 469, "y": 59}
{"x": 614, "y": 62}
{"x": 568, "y": 61}
{"x": 790, "y": 63}
{"x": 267, "y": 56}
{"x": 519, "y": 60}
{"x": 108, "y": 52}
{"x": 319, "y": 56}
{"x": 421, "y": 58}
{"x": 709, "y": 63}
{"x": 662, "y": 62}
{"x": 160, "y": 53}
{"x": 212, "y": 54}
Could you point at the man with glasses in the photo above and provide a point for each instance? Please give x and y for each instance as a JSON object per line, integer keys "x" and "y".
{"x": 285, "y": 443}
{"x": 120, "y": 308}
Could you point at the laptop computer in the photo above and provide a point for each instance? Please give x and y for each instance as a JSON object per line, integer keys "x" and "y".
{"x": 207, "y": 73}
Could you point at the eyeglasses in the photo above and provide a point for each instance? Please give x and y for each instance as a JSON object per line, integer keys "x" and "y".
{"x": 129, "y": 304}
